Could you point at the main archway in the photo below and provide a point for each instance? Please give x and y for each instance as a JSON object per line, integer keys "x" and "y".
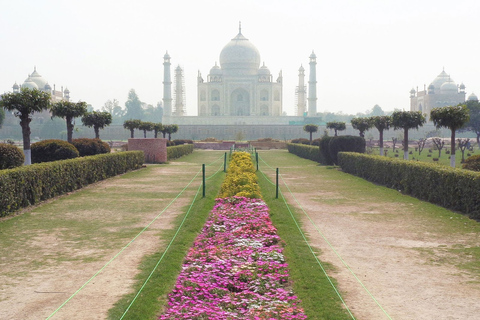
{"x": 240, "y": 102}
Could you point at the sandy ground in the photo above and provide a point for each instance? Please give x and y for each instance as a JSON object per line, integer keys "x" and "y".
{"x": 37, "y": 294}
{"x": 398, "y": 258}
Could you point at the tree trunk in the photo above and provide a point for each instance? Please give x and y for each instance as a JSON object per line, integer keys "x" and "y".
{"x": 25, "y": 123}
{"x": 164, "y": 133}
{"x": 362, "y": 134}
{"x": 381, "y": 141}
{"x": 452, "y": 148}
{"x": 156, "y": 134}
{"x": 97, "y": 132}
{"x": 335, "y": 132}
{"x": 132, "y": 134}
{"x": 169, "y": 137}
{"x": 311, "y": 137}
{"x": 405, "y": 144}
{"x": 69, "y": 129}
{"x": 478, "y": 139}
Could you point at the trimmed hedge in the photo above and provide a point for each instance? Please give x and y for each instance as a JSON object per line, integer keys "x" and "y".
{"x": 10, "y": 156}
{"x": 304, "y": 151}
{"x": 175, "y": 152}
{"x": 345, "y": 144}
{"x": 451, "y": 188}
{"x": 27, "y": 185}
{"x": 325, "y": 157}
{"x": 53, "y": 150}
{"x": 90, "y": 147}
{"x": 472, "y": 163}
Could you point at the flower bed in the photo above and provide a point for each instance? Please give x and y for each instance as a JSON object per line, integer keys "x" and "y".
{"x": 235, "y": 269}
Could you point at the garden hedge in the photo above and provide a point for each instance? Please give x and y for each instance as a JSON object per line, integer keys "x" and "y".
{"x": 304, "y": 151}
{"x": 10, "y": 156}
{"x": 27, "y": 185}
{"x": 456, "y": 189}
{"x": 175, "y": 152}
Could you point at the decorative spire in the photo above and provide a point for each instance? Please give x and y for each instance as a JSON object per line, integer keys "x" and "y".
{"x": 240, "y": 27}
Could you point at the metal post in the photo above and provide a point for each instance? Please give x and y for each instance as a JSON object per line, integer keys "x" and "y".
{"x": 203, "y": 171}
{"x": 276, "y": 189}
{"x": 225, "y": 163}
{"x": 256, "y": 158}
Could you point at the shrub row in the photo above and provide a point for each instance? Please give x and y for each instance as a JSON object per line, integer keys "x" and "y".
{"x": 175, "y": 152}
{"x": 24, "y": 186}
{"x": 241, "y": 179}
{"x": 455, "y": 189}
{"x": 327, "y": 148}
{"x": 304, "y": 151}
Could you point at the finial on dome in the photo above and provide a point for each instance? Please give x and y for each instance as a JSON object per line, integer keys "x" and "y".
{"x": 239, "y": 26}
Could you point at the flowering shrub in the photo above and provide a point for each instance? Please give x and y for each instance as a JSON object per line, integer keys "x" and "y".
{"x": 235, "y": 269}
{"x": 241, "y": 179}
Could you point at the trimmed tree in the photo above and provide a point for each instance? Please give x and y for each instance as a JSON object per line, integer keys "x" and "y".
{"x": 453, "y": 118}
{"x": 336, "y": 126}
{"x": 362, "y": 125}
{"x": 131, "y": 125}
{"x": 170, "y": 129}
{"x": 157, "y": 127}
{"x": 381, "y": 123}
{"x": 407, "y": 120}
{"x": 98, "y": 120}
{"x": 25, "y": 103}
{"x": 146, "y": 126}
{"x": 474, "y": 122}
{"x": 310, "y": 128}
{"x": 69, "y": 111}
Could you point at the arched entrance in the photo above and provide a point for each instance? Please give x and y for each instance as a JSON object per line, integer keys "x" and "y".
{"x": 240, "y": 102}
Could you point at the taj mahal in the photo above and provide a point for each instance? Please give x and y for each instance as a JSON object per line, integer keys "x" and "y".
{"x": 239, "y": 91}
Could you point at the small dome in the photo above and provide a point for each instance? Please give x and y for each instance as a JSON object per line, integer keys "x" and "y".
{"x": 29, "y": 84}
{"x": 301, "y": 68}
{"x": 66, "y": 91}
{"x": 413, "y": 91}
{"x": 16, "y": 86}
{"x": 166, "y": 56}
{"x": 441, "y": 79}
{"x": 240, "y": 56}
{"x": 313, "y": 56}
{"x": 462, "y": 86}
{"x": 215, "y": 70}
{"x": 264, "y": 70}
{"x": 431, "y": 86}
{"x": 472, "y": 97}
{"x": 449, "y": 87}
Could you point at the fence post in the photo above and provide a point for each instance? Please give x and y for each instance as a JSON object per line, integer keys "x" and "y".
{"x": 203, "y": 171}
{"x": 256, "y": 158}
{"x": 225, "y": 163}
{"x": 276, "y": 188}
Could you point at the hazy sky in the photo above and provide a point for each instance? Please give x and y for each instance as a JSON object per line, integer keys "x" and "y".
{"x": 368, "y": 51}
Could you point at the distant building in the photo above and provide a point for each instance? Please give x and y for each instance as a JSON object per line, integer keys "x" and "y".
{"x": 239, "y": 91}
{"x": 442, "y": 92}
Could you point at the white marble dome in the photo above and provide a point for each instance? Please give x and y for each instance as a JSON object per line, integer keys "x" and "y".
{"x": 240, "y": 56}
{"x": 30, "y": 84}
{"x": 449, "y": 87}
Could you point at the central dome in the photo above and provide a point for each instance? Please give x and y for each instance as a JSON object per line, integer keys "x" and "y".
{"x": 240, "y": 56}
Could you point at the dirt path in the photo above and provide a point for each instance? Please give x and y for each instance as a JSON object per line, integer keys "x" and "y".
{"x": 408, "y": 257}
{"x": 47, "y": 254}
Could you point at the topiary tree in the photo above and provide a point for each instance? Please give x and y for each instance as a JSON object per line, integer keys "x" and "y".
{"x": 90, "y": 147}
{"x": 474, "y": 122}
{"x": 131, "y": 125}
{"x": 407, "y": 120}
{"x": 2, "y": 117}
{"x": 381, "y": 123}
{"x": 97, "y": 120}
{"x": 454, "y": 118}
{"x": 310, "y": 128}
{"x": 157, "y": 127}
{"x": 345, "y": 144}
{"x": 10, "y": 156}
{"x": 170, "y": 129}
{"x": 336, "y": 126}
{"x": 146, "y": 126}
{"x": 53, "y": 150}
{"x": 472, "y": 163}
{"x": 25, "y": 103}
{"x": 362, "y": 125}
{"x": 69, "y": 111}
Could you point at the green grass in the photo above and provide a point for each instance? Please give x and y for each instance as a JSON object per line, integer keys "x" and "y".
{"x": 427, "y": 156}
{"x": 153, "y": 297}
{"x": 310, "y": 284}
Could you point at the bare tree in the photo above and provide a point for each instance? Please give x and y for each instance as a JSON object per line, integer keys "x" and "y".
{"x": 463, "y": 145}
{"x": 421, "y": 145}
{"x": 439, "y": 143}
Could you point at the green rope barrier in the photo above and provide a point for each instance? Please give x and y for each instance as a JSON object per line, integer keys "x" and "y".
{"x": 126, "y": 246}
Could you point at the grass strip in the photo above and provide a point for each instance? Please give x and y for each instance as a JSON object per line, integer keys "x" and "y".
{"x": 153, "y": 297}
{"x": 310, "y": 284}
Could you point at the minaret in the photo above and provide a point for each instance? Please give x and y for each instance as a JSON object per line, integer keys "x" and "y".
{"x": 301, "y": 91}
{"x": 312, "y": 86}
{"x": 167, "y": 86}
{"x": 179, "y": 92}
